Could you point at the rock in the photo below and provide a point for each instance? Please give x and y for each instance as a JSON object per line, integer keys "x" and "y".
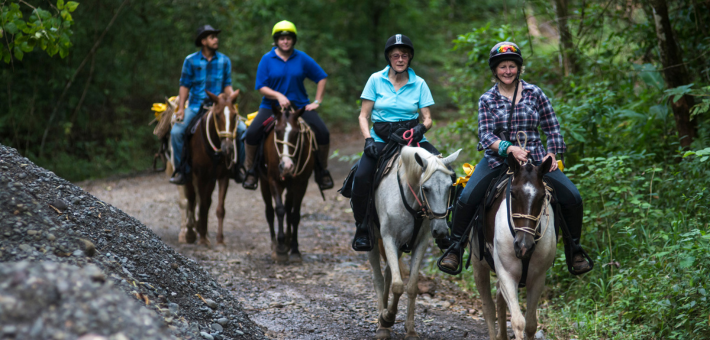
{"x": 426, "y": 287}
{"x": 174, "y": 265}
{"x": 217, "y": 327}
{"x": 206, "y": 336}
{"x": 445, "y": 304}
{"x": 59, "y": 204}
{"x": 223, "y": 321}
{"x": 25, "y": 247}
{"x": 238, "y": 332}
{"x": 32, "y": 232}
{"x": 91, "y": 336}
{"x": 89, "y": 248}
{"x": 540, "y": 335}
{"x": 210, "y": 303}
{"x": 22, "y": 176}
{"x": 118, "y": 336}
{"x": 51, "y": 237}
{"x": 174, "y": 308}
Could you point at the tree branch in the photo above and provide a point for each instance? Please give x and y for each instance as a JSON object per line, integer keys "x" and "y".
{"x": 71, "y": 80}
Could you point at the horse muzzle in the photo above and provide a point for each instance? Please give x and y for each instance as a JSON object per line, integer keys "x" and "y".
{"x": 439, "y": 229}
{"x": 524, "y": 245}
{"x": 286, "y": 167}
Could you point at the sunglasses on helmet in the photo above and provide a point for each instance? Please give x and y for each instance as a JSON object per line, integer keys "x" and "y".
{"x": 507, "y": 48}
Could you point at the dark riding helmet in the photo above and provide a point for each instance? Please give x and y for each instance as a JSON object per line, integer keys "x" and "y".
{"x": 398, "y": 40}
{"x": 204, "y": 31}
{"x": 503, "y": 51}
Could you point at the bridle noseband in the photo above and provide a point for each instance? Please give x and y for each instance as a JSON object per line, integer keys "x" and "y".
{"x": 535, "y": 232}
{"x": 226, "y": 133}
{"x": 305, "y": 130}
{"x": 426, "y": 210}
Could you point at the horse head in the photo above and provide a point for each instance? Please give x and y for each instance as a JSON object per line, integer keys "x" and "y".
{"x": 527, "y": 200}
{"x": 224, "y": 118}
{"x": 287, "y": 133}
{"x": 434, "y": 182}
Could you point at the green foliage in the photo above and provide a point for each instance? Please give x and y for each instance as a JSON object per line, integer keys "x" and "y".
{"x": 25, "y": 27}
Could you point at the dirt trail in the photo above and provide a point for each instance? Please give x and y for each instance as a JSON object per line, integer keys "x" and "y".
{"x": 329, "y": 296}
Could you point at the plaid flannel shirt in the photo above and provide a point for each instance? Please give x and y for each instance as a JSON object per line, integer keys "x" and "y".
{"x": 199, "y": 75}
{"x": 533, "y": 110}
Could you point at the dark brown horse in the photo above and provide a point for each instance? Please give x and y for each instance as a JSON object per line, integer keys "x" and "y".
{"x": 289, "y": 157}
{"x": 212, "y": 150}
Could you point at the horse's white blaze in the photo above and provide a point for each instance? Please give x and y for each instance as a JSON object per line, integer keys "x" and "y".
{"x": 227, "y": 124}
{"x": 285, "y": 155}
{"x": 530, "y": 191}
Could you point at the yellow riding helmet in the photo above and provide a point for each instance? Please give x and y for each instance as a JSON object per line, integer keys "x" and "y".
{"x": 284, "y": 27}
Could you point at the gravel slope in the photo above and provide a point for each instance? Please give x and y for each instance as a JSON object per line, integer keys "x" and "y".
{"x": 72, "y": 266}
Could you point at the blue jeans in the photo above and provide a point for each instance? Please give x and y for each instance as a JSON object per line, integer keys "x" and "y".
{"x": 178, "y": 133}
{"x": 481, "y": 178}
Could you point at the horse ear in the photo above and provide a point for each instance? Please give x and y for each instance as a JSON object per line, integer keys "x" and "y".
{"x": 421, "y": 161}
{"x": 212, "y": 96}
{"x": 299, "y": 112}
{"x": 513, "y": 163}
{"x": 234, "y": 96}
{"x": 276, "y": 108}
{"x": 452, "y": 157}
{"x": 544, "y": 167}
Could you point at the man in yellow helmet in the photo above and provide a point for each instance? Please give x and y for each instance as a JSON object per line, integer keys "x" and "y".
{"x": 279, "y": 79}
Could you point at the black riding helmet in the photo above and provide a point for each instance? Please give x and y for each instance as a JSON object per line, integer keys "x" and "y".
{"x": 503, "y": 51}
{"x": 398, "y": 40}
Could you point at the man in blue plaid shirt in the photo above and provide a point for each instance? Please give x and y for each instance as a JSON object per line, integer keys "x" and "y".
{"x": 498, "y": 127}
{"x": 204, "y": 70}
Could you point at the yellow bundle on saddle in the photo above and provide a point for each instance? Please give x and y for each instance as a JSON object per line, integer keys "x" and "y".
{"x": 159, "y": 108}
{"x": 250, "y": 118}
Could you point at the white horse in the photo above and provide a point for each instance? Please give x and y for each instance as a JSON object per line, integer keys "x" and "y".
{"x": 528, "y": 215}
{"x": 422, "y": 173}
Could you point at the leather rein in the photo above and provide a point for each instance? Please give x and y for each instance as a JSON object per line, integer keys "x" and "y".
{"x": 226, "y": 133}
{"x": 305, "y": 133}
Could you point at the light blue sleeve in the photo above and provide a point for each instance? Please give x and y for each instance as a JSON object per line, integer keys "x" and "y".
{"x": 370, "y": 90}
{"x": 425, "y": 98}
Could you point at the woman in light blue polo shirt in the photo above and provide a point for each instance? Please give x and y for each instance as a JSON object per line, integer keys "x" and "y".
{"x": 393, "y": 97}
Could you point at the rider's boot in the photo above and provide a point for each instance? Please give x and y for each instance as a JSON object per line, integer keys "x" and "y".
{"x": 577, "y": 262}
{"x": 178, "y": 178}
{"x": 462, "y": 218}
{"x": 251, "y": 180}
{"x": 323, "y": 178}
{"x": 361, "y": 242}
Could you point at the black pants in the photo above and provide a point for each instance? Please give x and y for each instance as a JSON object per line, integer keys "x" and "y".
{"x": 365, "y": 174}
{"x": 256, "y": 129}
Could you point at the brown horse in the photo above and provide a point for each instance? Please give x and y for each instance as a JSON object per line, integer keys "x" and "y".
{"x": 212, "y": 150}
{"x": 289, "y": 158}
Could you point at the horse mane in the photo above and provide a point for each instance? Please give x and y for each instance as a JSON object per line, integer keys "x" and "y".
{"x": 412, "y": 170}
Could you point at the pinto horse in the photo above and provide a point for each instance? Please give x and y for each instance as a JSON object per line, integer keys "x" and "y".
{"x": 213, "y": 152}
{"x": 519, "y": 228}
{"x": 289, "y": 159}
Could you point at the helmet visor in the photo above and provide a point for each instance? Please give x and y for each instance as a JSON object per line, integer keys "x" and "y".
{"x": 507, "y": 48}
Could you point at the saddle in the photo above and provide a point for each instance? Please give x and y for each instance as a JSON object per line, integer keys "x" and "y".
{"x": 385, "y": 163}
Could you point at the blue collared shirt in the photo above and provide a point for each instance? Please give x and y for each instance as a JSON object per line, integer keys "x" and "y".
{"x": 199, "y": 75}
{"x": 395, "y": 106}
{"x": 286, "y": 77}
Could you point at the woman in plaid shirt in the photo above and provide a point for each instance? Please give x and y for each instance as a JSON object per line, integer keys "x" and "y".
{"x": 532, "y": 110}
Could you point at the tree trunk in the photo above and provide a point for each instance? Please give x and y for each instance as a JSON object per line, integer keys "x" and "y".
{"x": 674, "y": 72}
{"x": 569, "y": 59}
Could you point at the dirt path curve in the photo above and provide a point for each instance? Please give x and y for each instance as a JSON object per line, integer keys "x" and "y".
{"x": 329, "y": 296}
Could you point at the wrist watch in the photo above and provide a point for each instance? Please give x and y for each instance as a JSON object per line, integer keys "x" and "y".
{"x": 316, "y": 102}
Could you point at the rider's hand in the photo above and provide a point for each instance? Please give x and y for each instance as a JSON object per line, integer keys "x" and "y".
{"x": 554, "y": 161}
{"x": 312, "y": 106}
{"x": 283, "y": 101}
{"x": 520, "y": 154}
{"x": 180, "y": 114}
{"x": 370, "y": 148}
{"x": 418, "y": 134}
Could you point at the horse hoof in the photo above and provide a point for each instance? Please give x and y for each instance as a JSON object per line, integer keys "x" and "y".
{"x": 383, "y": 322}
{"x": 181, "y": 237}
{"x": 204, "y": 241}
{"x": 279, "y": 257}
{"x": 412, "y": 336}
{"x": 295, "y": 258}
{"x": 190, "y": 236}
{"x": 383, "y": 333}
{"x": 220, "y": 240}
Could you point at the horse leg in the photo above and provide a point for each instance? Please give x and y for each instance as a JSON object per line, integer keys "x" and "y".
{"x": 508, "y": 288}
{"x": 534, "y": 290}
{"x": 403, "y": 270}
{"x": 379, "y": 282}
{"x": 280, "y": 254}
{"x": 412, "y": 289}
{"x": 387, "y": 317}
{"x": 182, "y": 205}
{"x": 269, "y": 209}
{"x": 502, "y": 319}
{"x": 482, "y": 276}
{"x": 191, "y": 197}
{"x": 205, "y": 192}
{"x": 298, "y": 191}
{"x": 223, "y": 186}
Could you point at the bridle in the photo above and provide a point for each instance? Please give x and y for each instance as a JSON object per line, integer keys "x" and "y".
{"x": 305, "y": 134}
{"x": 424, "y": 205}
{"x": 535, "y": 232}
{"x": 228, "y": 132}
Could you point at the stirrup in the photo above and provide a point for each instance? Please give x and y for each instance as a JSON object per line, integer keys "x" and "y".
{"x": 370, "y": 244}
{"x": 458, "y": 250}
{"x": 569, "y": 259}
